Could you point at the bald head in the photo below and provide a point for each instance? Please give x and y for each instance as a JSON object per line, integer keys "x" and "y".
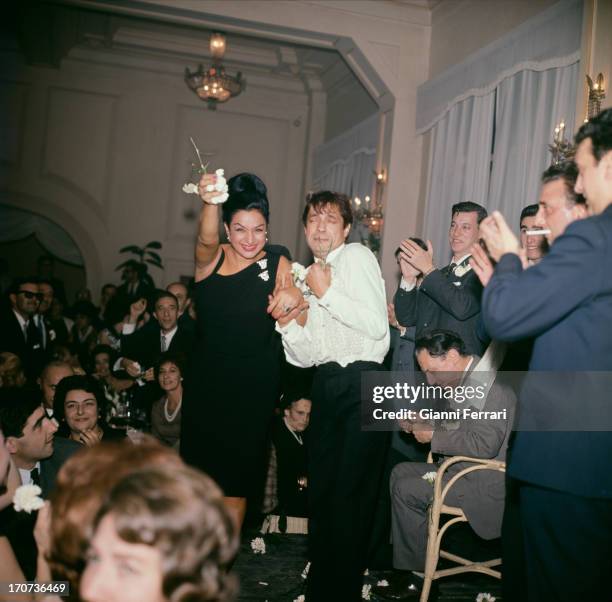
{"x": 181, "y": 292}
{"x": 51, "y": 375}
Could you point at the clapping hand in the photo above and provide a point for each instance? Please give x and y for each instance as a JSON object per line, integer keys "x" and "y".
{"x": 419, "y": 259}
{"x": 137, "y": 309}
{"x": 498, "y": 236}
{"x": 481, "y": 264}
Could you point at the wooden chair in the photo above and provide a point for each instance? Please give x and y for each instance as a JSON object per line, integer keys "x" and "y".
{"x": 438, "y": 507}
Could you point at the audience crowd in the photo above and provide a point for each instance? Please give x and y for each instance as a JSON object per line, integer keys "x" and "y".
{"x": 92, "y": 392}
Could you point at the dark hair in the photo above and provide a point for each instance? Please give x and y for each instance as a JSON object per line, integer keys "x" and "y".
{"x": 439, "y": 342}
{"x": 568, "y": 172}
{"x": 323, "y": 198}
{"x": 79, "y": 382}
{"x": 469, "y": 207}
{"x": 84, "y": 308}
{"x": 171, "y": 357}
{"x": 246, "y": 192}
{"x": 19, "y": 282}
{"x": 528, "y": 211}
{"x": 16, "y": 406}
{"x": 108, "y": 285}
{"x": 599, "y": 130}
{"x": 418, "y": 241}
{"x": 98, "y": 349}
{"x": 47, "y": 282}
{"x": 180, "y": 512}
{"x": 162, "y": 294}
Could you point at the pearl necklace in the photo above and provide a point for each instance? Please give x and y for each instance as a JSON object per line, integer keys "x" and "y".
{"x": 171, "y": 417}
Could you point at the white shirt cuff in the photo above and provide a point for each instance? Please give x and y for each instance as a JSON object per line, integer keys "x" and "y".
{"x": 128, "y": 328}
{"x": 406, "y": 286}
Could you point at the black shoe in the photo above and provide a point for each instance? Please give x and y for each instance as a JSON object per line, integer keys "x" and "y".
{"x": 404, "y": 586}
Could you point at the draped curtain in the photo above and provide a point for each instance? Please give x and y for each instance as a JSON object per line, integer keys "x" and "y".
{"x": 491, "y": 119}
{"x": 16, "y": 224}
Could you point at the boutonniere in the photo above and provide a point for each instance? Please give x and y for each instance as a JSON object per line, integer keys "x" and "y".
{"x": 461, "y": 270}
{"x": 27, "y": 498}
{"x": 52, "y": 335}
{"x": 430, "y": 477}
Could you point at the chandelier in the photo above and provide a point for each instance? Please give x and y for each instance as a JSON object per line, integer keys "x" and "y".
{"x": 214, "y": 85}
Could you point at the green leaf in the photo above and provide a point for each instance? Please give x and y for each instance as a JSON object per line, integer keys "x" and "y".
{"x": 154, "y": 244}
{"x": 131, "y": 249}
{"x": 155, "y": 263}
{"x": 154, "y": 255}
{"x": 122, "y": 265}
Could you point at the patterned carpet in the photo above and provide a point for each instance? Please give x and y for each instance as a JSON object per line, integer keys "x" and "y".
{"x": 276, "y": 575}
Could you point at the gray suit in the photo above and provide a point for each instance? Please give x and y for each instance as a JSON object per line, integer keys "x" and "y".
{"x": 480, "y": 494}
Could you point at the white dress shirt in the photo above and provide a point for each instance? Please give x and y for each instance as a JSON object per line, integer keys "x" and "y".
{"x": 25, "y": 474}
{"x": 349, "y": 322}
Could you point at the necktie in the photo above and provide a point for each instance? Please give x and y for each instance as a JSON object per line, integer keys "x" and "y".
{"x": 32, "y": 334}
{"x": 451, "y": 268}
{"x": 35, "y": 476}
{"x": 163, "y": 343}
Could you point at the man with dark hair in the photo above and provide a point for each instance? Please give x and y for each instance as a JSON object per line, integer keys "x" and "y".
{"x": 560, "y": 204}
{"x": 134, "y": 286}
{"x": 535, "y": 245}
{"x": 446, "y": 298}
{"x": 565, "y": 302}
{"x": 144, "y": 346}
{"x": 181, "y": 292}
{"x": 50, "y": 377}
{"x": 443, "y": 358}
{"x": 20, "y": 333}
{"x": 343, "y": 332}
{"x": 29, "y": 435}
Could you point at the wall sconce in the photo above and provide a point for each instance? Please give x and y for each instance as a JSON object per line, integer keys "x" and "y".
{"x": 597, "y": 93}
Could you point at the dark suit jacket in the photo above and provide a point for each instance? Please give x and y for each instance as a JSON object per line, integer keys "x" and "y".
{"x": 49, "y": 467}
{"x": 12, "y": 339}
{"x": 143, "y": 345}
{"x": 565, "y": 303}
{"x": 443, "y": 301}
{"x": 483, "y": 490}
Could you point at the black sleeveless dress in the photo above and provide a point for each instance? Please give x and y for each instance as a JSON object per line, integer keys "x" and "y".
{"x": 233, "y": 384}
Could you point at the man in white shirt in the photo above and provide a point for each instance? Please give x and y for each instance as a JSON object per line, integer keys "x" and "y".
{"x": 343, "y": 332}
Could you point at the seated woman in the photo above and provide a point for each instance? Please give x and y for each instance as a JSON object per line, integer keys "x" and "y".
{"x": 166, "y": 411}
{"x": 79, "y": 406}
{"x": 169, "y": 513}
{"x": 103, "y": 359}
{"x": 288, "y": 439}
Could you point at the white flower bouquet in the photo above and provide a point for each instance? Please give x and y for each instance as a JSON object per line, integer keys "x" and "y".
{"x": 220, "y": 185}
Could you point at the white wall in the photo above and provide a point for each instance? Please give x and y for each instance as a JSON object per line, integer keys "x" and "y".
{"x": 101, "y": 146}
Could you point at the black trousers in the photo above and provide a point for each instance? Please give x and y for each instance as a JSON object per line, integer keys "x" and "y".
{"x": 567, "y": 541}
{"x": 345, "y": 467}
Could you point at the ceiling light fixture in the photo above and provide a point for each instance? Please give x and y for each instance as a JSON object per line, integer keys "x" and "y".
{"x": 214, "y": 85}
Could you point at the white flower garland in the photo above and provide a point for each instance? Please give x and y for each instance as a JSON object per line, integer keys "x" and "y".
{"x": 220, "y": 186}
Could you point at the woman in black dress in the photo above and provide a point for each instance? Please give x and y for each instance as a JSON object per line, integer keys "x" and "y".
{"x": 233, "y": 383}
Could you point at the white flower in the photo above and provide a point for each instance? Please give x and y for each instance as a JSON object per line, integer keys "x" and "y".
{"x": 221, "y": 183}
{"x": 366, "y": 572}
{"x": 462, "y": 269}
{"x": 300, "y": 598}
{"x": 265, "y": 276}
{"x": 262, "y": 583}
{"x": 298, "y": 271}
{"x": 305, "y": 571}
{"x": 430, "y": 477}
{"x": 190, "y": 188}
{"x": 486, "y": 597}
{"x": 52, "y": 335}
{"x": 210, "y": 187}
{"x": 383, "y": 583}
{"x": 262, "y": 263}
{"x": 220, "y": 198}
{"x": 365, "y": 591}
{"x": 27, "y": 498}
{"x": 258, "y": 545}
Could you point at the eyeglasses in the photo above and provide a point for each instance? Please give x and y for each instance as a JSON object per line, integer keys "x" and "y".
{"x": 31, "y": 295}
